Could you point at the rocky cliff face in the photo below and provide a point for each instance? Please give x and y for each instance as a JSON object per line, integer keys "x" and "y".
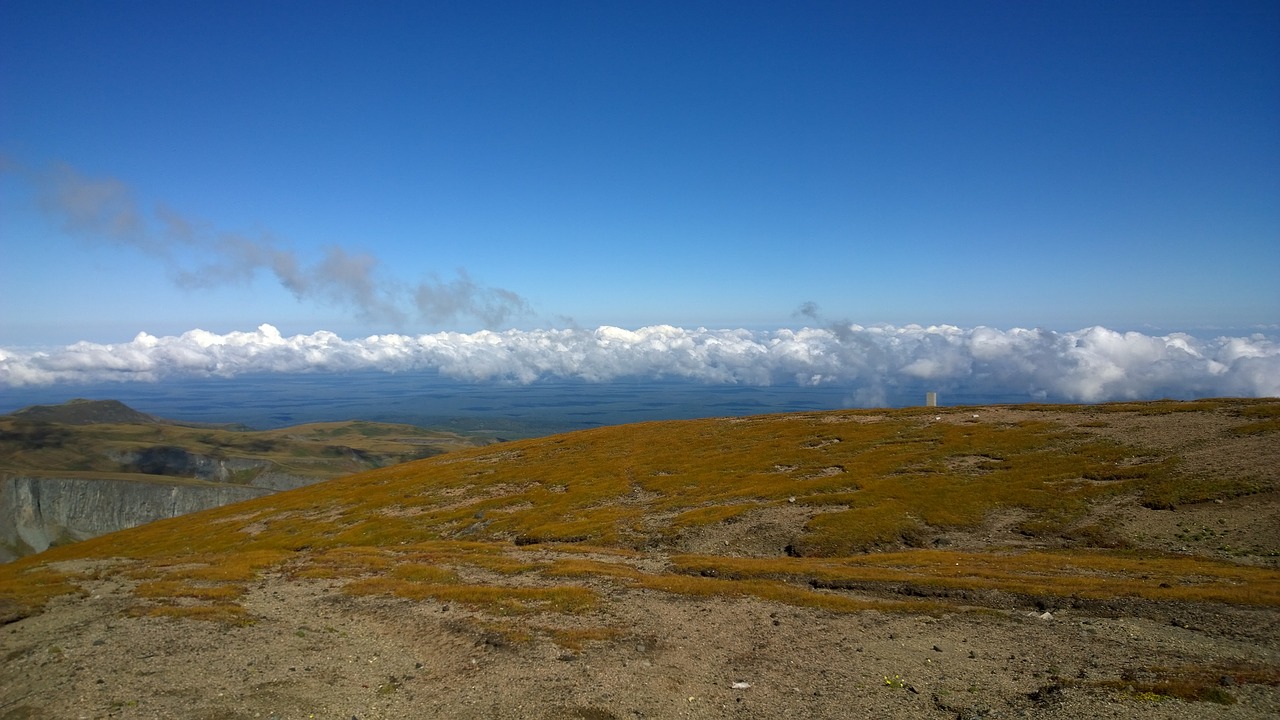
{"x": 37, "y": 512}
{"x": 86, "y": 467}
{"x": 177, "y": 462}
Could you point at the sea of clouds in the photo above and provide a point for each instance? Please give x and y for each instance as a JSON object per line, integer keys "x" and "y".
{"x": 1090, "y": 365}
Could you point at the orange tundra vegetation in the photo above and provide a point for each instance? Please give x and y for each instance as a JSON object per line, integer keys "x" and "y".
{"x": 857, "y": 501}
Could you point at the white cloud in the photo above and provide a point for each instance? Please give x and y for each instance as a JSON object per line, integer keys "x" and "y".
{"x": 1089, "y": 365}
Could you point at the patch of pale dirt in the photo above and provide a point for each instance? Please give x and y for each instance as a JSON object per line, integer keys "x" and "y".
{"x": 861, "y": 418}
{"x": 998, "y": 531}
{"x": 315, "y": 652}
{"x": 1202, "y": 440}
{"x": 971, "y": 464}
{"x": 767, "y": 532}
{"x": 1243, "y": 529}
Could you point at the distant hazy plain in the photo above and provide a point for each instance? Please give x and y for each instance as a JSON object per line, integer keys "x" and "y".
{"x": 426, "y": 399}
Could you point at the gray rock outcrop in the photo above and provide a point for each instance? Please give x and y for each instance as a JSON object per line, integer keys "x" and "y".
{"x": 39, "y": 512}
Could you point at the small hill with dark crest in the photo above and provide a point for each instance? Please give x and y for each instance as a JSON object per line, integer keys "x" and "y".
{"x": 85, "y": 412}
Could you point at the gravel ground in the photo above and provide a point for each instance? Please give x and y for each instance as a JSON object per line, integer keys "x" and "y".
{"x": 318, "y": 653}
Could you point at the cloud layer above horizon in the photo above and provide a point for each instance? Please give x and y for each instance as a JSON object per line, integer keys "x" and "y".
{"x": 1090, "y": 365}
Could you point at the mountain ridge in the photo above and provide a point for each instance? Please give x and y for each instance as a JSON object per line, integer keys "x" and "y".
{"x": 83, "y": 411}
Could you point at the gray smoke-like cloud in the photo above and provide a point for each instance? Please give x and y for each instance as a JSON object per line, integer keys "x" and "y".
{"x": 441, "y": 301}
{"x": 1090, "y": 365}
{"x": 196, "y": 255}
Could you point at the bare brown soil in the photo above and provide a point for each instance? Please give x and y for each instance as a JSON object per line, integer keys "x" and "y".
{"x": 314, "y": 651}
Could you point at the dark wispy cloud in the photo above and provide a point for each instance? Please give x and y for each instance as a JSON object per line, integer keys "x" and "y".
{"x": 442, "y": 301}
{"x": 1090, "y": 365}
{"x": 102, "y": 209}
{"x": 809, "y": 310}
{"x": 199, "y": 255}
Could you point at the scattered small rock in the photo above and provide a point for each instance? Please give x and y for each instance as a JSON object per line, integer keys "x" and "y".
{"x": 1046, "y": 695}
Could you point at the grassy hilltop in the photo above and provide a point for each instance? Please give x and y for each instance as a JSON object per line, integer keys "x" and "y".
{"x": 106, "y": 437}
{"x": 1164, "y": 512}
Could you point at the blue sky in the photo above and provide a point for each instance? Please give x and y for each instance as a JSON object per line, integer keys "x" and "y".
{"x": 424, "y": 167}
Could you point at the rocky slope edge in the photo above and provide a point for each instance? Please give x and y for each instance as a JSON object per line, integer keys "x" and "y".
{"x": 72, "y": 471}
